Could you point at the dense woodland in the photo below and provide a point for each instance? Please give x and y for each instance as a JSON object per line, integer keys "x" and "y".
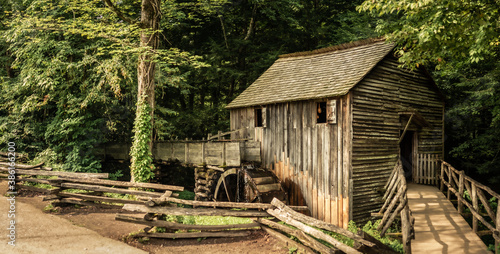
{"x": 69, "y": 74}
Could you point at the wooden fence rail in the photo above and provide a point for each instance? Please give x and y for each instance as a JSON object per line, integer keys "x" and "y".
{"x": 395, "y": 194}
{"x": 157, "y": 204}
{"x": 458, "y": 183}
{"x": 93, "y": 185}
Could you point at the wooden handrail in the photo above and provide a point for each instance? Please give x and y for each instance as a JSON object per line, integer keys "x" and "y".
{"x": 396, "y": 192}
{"x": 457, "y": 183}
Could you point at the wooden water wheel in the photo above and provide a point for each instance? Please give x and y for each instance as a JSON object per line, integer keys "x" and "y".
{"x": 248, "y": 184}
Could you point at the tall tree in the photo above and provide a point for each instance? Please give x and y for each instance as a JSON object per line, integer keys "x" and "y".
{"x": 75, "y": 58}
{"x": 141, "y": 151}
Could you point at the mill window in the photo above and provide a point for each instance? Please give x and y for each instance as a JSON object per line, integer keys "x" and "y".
{"x": 321, "y": 112}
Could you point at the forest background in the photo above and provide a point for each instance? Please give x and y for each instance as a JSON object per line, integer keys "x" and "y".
{"x": 68, "y": 76}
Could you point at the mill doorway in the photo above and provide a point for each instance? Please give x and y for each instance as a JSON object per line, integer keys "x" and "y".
{"x": 406, "y": 154}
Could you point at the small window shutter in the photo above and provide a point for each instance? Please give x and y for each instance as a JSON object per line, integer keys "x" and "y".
{"x": 264, "y": 118}
{"x": 331, "y": 111}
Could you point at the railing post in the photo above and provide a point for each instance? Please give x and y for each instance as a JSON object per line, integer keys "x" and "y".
{"x": 475, "y": 205}
{"x": 406, "y": 229}
{"x": 450, "y": 179}
{"x": 436, "y": 173}
{"x": 460, "y": 206}
{"x": 497, "y": 224}
{"x": 442, "y": 177}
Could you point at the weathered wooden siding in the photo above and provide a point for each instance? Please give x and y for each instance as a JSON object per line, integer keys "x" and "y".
{"x": 312, "y": 160}
{"x": 377, "y": 126}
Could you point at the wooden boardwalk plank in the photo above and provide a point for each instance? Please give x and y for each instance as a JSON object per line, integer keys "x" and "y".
{"x": 439, "y": 228}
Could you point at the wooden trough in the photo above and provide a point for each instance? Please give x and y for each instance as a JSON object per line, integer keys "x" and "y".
{"x": 195, "y": 152}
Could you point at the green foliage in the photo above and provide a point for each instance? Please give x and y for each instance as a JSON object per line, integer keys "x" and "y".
{"x": 461, "y": 40}
{"x": 292, "y": 250}
{"x": 115, "y": 175}
{"x": 437, "y": 31}
{"x": 51, "y": 209}
{"x": 238, "y": 51}
{"x": 371, "y": 228}
{"x": 142, "y": 168}
{"x": 186, "y": 195}
{"x": 62, "y": 98}
{"x": 68, "y": 83}
{"x": 472, "y": 118}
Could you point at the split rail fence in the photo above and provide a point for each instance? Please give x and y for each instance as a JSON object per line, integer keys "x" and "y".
{"x": 479, "y": 206}
{"x": 88, "y": 188}
{"x": 309, "y": 231}
{"x": 312, "y": 233}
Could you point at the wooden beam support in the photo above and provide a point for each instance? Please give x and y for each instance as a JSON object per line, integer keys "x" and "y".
{"x": 318, "y": 223}
{"x": 406, "y": 128}
{"x": 285, "y": 217}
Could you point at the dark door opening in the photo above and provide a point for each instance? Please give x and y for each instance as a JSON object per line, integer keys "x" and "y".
{"x": 406, "y": 148}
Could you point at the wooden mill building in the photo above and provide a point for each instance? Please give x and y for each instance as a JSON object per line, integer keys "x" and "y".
{"x": 333, "y": 122}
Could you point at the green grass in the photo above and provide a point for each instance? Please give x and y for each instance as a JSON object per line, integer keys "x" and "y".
{"x": 207, "y": 220}
{"x": 187, "y": 195}
{"x": 203, "y": 220}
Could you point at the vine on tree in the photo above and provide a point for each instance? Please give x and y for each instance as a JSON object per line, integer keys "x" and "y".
{"x": 142, "y": 168}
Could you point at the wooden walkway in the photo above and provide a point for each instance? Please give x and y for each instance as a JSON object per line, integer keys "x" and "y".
{"x": 439, "y": 228}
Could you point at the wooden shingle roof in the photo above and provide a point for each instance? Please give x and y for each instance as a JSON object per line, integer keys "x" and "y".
{"x": 322, "y": 73}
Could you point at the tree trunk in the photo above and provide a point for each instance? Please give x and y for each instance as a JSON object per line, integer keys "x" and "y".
{"x": 149, "y": 24}
{"x": 150, "y": 21}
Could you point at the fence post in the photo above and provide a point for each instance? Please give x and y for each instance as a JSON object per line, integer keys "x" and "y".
{"x": 450, "y": 179}
{"x": 460, "y": 205}
{"x": 406, "y": 228}
{"x": 497, "y": 224}
{"x": 442, "y": 177}
{"x": 475, "y": 205}
{"x": 435, "y": 164}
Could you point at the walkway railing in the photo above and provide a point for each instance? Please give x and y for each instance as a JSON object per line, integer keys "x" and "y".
{"x": 458, "y": 183}
{"x": 396, "y": 189}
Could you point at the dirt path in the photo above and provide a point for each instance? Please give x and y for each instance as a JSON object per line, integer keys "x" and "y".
{"x": 39, "y": 232}
{"x": 66, "y": 230}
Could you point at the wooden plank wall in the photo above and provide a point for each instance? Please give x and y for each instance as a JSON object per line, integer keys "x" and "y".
{"x": 377, "y": 125}
{"x": 306, "y": 156}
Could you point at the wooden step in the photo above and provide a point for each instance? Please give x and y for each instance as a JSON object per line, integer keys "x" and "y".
{"x": 263, "y": 180}
{"x": 269, "y": 187}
